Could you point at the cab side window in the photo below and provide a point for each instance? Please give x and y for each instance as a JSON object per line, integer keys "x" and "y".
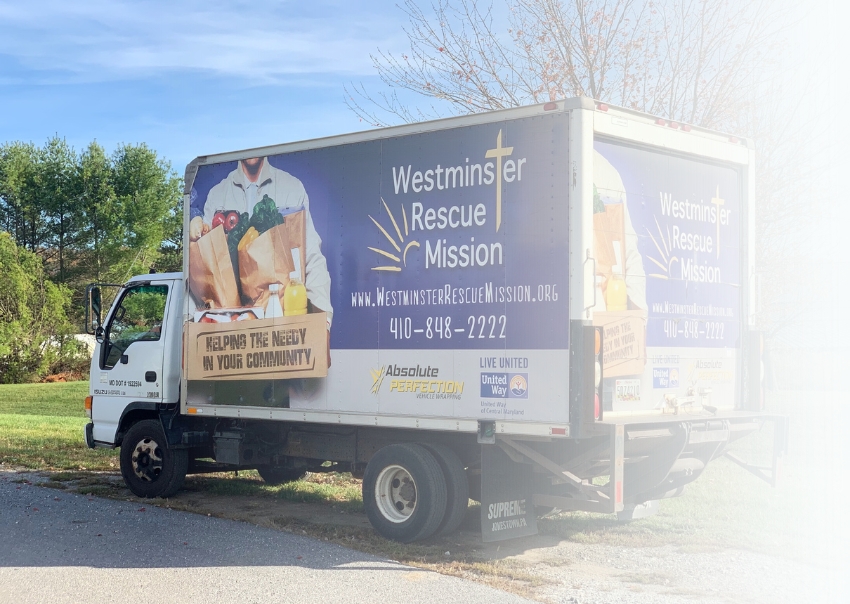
{"x": 138, "y": 318}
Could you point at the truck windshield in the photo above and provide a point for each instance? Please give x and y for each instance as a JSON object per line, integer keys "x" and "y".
{"x": 138, "y": 318}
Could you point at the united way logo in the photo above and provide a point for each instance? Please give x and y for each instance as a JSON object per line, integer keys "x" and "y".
{"x": 519, "y": 386}
{"x": 504, "y": 385}
{"x": 665, "y": 377}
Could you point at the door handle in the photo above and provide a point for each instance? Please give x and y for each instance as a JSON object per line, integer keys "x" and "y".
{"x": 150, "y": 376}
{"x": 124, "y": 359}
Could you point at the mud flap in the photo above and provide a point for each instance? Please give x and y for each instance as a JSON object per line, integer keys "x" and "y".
{"x": 507, "y": 506}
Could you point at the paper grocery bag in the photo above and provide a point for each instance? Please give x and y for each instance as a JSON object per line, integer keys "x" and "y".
{"x": 269, "y": 259}
{"x": 211, "y": 276}
{"x": 296, "y": 229}
{"x": 623, "y": 342}
{"x": 609, "y": 226}
{"x": 264, "y": 261}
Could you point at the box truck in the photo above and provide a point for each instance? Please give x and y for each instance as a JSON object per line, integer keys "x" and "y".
{"x": 548, "y": 306}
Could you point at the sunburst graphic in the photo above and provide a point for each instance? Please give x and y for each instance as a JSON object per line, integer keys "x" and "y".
{"x": 667, "y": 258}
{"x": 396, "y": 244}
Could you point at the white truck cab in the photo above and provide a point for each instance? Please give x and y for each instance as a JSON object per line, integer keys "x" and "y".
{"x": 136, "y": 363}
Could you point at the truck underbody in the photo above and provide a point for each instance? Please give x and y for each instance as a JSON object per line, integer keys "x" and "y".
{"x": 622, "y": 466}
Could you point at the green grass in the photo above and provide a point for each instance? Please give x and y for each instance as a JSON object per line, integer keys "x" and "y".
{"x": 62, "y": 399}
{"x": 339, "y": 489}
{"x": 41, "y": 428}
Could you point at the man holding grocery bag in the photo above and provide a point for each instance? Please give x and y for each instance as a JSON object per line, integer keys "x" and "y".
{"x": 255, "y": 181}
{"x": 620, "y": 284}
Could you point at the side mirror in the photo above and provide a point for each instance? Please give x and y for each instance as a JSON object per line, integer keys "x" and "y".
{"x": 96, "y": 302}
{"x": 93, "y": 309}
{"x": 98, "y": 334}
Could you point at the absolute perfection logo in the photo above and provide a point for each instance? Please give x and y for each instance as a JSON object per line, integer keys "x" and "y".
{"x": 423, "y": 381}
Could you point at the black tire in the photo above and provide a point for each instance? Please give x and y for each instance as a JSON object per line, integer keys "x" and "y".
{"x": 275, "y": 475}
{"x": 457, "y": 487}
{"x": 149, "y": 467}
{"x": 404, "y": 493}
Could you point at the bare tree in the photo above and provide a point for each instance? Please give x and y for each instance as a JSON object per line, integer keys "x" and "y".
{"x": 720, "y": 64}
{"x": 687, "y": 60}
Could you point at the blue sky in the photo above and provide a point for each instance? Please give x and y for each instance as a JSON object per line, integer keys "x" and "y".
{"x": 187, "y": 78}
{"x": 195, "y": 77}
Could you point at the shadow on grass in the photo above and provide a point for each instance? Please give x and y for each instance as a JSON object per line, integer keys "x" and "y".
{"x": 338, "y": 489}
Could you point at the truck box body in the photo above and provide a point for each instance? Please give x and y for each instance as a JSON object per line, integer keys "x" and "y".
{"x": 516, "y": 307}
{"x": 460, "y": 251}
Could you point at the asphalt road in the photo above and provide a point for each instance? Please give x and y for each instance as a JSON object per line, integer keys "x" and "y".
{"x": 60, "y": 547}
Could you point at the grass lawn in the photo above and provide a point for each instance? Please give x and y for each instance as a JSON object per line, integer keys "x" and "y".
{"x": 338, "y": 489}
{"x": 62, "y": 399}
{"x": 41, "y": 428}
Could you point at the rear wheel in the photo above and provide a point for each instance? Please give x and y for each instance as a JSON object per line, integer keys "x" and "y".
{"x": 404, "y": 492}
{"x": 457, "y": 487}
{"x": 274, "y": 475}
{"x": 149, "y": 467}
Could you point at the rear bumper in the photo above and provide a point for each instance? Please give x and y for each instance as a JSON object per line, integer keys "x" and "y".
{"x": 628, "y": 462}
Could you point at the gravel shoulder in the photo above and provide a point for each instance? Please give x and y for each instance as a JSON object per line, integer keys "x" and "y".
{"x": 610, "y": 574}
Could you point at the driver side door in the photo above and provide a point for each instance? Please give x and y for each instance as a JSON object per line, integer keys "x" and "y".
{"x": 131, "y": 357}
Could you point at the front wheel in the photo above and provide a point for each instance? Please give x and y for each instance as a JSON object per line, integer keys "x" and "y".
{"x": 404, "y": 492}
{"x": 149, "y": 467}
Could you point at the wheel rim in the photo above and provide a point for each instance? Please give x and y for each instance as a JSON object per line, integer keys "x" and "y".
{"x": 147, "y": 460}
{"x": 395, "y": 494}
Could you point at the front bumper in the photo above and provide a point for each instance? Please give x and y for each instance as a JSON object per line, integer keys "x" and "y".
{"x": 89, "y": 432}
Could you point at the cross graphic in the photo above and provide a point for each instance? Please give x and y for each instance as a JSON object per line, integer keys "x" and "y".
{"x": 718, "y": 201}
{"x": 499, "y": 152}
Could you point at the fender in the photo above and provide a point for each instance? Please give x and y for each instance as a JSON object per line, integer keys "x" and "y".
{"x": 141, "y": 409}
{"x": 178, "y": 429}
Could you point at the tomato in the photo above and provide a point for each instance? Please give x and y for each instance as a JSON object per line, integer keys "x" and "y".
{"x": 230, "y": 221}
{"x": 218, "y": 219}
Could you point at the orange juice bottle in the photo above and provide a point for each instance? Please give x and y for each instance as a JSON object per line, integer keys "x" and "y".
{"x": 295, "y": 294}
